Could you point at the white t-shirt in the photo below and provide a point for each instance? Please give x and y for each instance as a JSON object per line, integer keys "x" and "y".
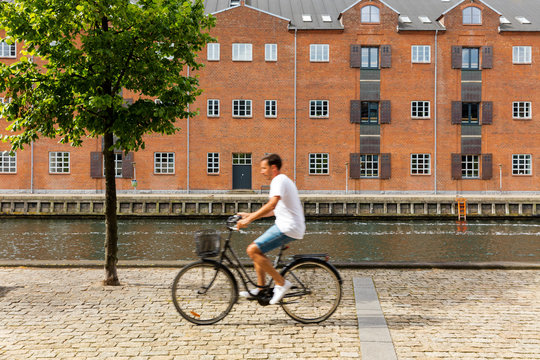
{"x": 289, "y": 212}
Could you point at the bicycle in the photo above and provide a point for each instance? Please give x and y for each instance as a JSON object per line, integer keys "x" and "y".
{"x": 205, "y": 291}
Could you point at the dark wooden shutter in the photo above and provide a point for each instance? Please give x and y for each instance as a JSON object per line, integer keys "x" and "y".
{"x": 386, "y": 112}
{"x": 456, "y": 166}
{"x": 385, "y": 166}
{"x": 456, "y": 112}
{"x": 487, "y": 57}
{"x": 127, "y": 165}
{"x": 456, "y": 57}
{"x": 354, "y": 166}
{"x": 487, "y": 113}
{"x": 386, "y": 56}
{"x": 96, "y": 165}
{"x": 356, "y": 111}
{"x": 487, "y": 166}
{"x": 356, "y": 56}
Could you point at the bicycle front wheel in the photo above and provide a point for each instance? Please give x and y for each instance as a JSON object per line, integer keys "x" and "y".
{"x": 315, "y": 292}
{"x": 204, "y": 292}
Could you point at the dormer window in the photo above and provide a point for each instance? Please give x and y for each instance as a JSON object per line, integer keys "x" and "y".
{"x": 370, "y": 14}
{"x": 472, "y": 16}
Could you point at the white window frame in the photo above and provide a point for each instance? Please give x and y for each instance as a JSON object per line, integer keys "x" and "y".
{"x": 238, "y": 104}
{"x": 420, "y": 109}
{"x": 212, "y": 108}
{"x": 270, "y": 52}
{"x": 8, "y": 51}
{"x": 270, "y": 108}
{"x": 319, "y": 164}
{"x": 468, "y": 168}
{"x": 420, "y": 164}
{"x": 319, "y": 53}
{"x": 118, "y": 160}
{"x": 373, "y": 160}
{"x": 521, "y": 54}
{"x": 241, "y": 158}
{"x": 163, "y": 163}
{"x": 59, "y": 162}
{"x": 8, "y": 163}
{"x": 212, "y": 163}
{"x": 471, "y": 17}
{"x": 213, "y": 52}
{"x": 421, "y": 54}
{"x": 319, "y": 106}
{"x": 368, "y": 16}
{"x": 521, "y": 107}
{"x": 521, "y": 164}
{"x": 242, "y": 52}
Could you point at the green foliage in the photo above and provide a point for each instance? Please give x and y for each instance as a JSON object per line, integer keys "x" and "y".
{"x": 80, "y": 55}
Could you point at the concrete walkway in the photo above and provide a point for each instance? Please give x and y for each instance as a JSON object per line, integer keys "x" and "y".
{"x": 431, "y": 314}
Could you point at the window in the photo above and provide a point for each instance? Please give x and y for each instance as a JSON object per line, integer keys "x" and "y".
{"x": 212, "y": 108}
{"x": 522, "y": 110}
{"x": 421, "y": 54}
{"x": 8, "y": 163}
{"x": 270, "y": 52}
{"x": 163, "y": 163}
{"x": 241, "y": 52}
{"x": 369, "y": 166}
{"x": 369, "y": 112}
{"x": 370, "y": 14}
{"x": 318, "y": 164}
{"x": 420, "y": 164}
{"x": 117, "y": 164}
{"x": 470, "y": 166}
{"x": 241, "y": 159}
{"x": 424, "y": 19}
{"x": 472, "y": 16}
{"x": 370, "y": 58}
{"x": 306, "y": 18}
{"x": 242, "y": 108}
{"x": 318, "y": 108}
{"x": 212, "y": 51}
{"x": 319, "y": 52}
{"x": 469, "y": 113}
{"x": 326, "y": 18}
{"x": 8, "y": 50}
{"x": 521, "y": 54}
{"x": 212, "y": 163}
{"x": 420, "y": 109}
{"x": 234, "y": 2}
{"x": 522, "y": 164}
{"x": 469, "y": 58}
{"x": 270, "y": 108}
{"x": 59, "y": 162}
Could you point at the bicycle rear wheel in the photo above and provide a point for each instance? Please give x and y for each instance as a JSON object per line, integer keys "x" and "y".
{"x": 204, "y": 292}
{"x": 315, "y": 292}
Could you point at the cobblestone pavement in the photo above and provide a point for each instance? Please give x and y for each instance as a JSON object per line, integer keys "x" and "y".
{"x": 431, "y": 314}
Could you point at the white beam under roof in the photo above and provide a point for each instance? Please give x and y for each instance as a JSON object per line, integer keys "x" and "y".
{"x": 460, "y": 2}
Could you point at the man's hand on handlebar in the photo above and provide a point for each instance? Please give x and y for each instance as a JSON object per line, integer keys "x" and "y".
{"x": 244, "y": 222}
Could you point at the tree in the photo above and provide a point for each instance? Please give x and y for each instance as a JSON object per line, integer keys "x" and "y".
{"x": 91, "y": 50}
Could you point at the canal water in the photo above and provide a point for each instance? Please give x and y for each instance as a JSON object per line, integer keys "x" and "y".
{"x": 345, "y": 240}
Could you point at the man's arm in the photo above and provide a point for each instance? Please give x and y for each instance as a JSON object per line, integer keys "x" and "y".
{"x": 266, "y": 210}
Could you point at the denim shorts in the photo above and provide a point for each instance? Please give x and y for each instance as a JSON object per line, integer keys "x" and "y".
{"x": 272, "y": 239}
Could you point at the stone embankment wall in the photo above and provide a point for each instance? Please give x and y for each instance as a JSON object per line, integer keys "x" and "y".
{"x": 314, "y": 205}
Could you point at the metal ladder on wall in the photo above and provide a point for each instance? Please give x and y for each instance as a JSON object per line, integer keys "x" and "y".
{"x": 462, "y": 208}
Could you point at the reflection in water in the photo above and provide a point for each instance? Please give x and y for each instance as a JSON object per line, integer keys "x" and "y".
{"x": 345, "y": 241}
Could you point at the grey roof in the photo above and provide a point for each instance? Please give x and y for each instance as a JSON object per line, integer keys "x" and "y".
{"x": 293, "y": 10}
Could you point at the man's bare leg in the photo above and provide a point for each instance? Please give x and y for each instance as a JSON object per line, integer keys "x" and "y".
{"x": 263, "y": 266}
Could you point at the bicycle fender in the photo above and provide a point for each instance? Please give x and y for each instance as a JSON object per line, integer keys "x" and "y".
{"x": 316, "y": 260}
{"x": 226, "y": 269}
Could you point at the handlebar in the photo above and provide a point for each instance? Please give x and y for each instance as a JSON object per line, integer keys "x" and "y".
{"x": 231, "y": 222}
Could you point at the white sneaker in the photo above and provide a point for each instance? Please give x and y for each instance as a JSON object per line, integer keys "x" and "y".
{"x": 251, "y": 294}
{"x": 280, "y": 291}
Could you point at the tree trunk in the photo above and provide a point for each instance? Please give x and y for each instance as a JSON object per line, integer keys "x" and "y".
{"x": 111, "y": 223}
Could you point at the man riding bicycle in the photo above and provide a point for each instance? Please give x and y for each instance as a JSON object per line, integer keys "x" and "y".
{"x": 285, "y": 205}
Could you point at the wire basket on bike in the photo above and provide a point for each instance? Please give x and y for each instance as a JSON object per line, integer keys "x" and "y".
{"x": 207, "y": 243}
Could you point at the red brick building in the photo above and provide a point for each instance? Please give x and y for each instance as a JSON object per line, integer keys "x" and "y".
{"x": 371, "y": 96}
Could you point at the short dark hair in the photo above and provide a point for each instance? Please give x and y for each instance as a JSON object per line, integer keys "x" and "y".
{"x": 273, "y": 159}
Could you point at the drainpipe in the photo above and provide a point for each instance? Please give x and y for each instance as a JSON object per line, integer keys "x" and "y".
{"x": 187, "y": 187}
{"x": 435, "y": 118}
{"x": 295, "y": 120}
{"x": 32, "y": 167}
